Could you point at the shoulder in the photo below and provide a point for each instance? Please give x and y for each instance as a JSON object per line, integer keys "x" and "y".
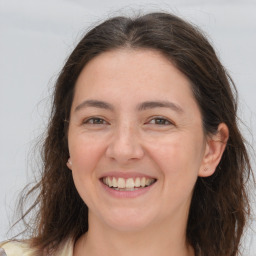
{"x": 65, "y": 249}
{"x": 18, "y": 248}
{"x": 15, "y": 248}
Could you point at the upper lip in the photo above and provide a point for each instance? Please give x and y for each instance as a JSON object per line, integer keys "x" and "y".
{"x": 126, "y": 175}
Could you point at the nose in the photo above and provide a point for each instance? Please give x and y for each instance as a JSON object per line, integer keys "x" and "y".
{"x": 125, "y": 145}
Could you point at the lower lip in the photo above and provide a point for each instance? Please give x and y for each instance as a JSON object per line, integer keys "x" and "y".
{"x": 127, "y": 194}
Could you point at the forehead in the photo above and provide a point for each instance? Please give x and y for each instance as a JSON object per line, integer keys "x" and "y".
{"x": 129, "y": 59}
{"x": 139, "y": 73}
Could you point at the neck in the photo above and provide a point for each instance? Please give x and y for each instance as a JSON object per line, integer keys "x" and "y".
{"x": 167, "y": 239}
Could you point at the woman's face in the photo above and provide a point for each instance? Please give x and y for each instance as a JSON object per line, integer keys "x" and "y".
{"x": 135, "y": 139}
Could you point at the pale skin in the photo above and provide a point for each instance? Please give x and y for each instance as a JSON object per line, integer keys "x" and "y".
{"x": 134, "y": 114}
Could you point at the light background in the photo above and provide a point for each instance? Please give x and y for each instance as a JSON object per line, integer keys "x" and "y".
{"x": 36, "y": 38}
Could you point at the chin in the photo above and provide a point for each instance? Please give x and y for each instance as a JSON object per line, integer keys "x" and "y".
{"x": 128, "y": 220}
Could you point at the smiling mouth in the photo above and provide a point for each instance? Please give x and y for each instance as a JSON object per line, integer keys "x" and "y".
{"x": 129, "y": 184}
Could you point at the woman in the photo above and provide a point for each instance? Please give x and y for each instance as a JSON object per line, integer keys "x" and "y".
{"x": 143, "y": 155}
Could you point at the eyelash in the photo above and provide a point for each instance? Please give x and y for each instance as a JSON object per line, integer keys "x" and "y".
{"x": 161, "y": 119}
{"x": 101, "y": 121}
{"x": 92, "y": 120}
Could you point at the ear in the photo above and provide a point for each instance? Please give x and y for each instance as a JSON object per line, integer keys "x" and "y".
{"x": 215, "y": 146}
{"x": 69, "y": 164}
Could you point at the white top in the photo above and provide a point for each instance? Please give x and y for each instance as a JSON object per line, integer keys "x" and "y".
{"x": 15, "y": 248}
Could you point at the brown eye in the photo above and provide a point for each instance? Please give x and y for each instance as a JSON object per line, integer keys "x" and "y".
{"x": 95, "y": 120}
{"x": 160, "y": 121}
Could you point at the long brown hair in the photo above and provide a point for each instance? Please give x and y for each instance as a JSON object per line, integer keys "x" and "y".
{"x": 219, "y": 206}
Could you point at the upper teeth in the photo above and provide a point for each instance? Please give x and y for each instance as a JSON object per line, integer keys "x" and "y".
{"x": 129, "y": 183}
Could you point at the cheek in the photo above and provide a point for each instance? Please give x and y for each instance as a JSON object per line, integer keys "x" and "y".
{"x": 178, "y": 151}
{"x": 85, "y": 152}
{"x": 179, "y": 160}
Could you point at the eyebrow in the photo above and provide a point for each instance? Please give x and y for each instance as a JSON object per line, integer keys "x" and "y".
{"x": 159, "y": 104}
{"x": 95, "y": 104}
{"x": 142, "y": 106}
